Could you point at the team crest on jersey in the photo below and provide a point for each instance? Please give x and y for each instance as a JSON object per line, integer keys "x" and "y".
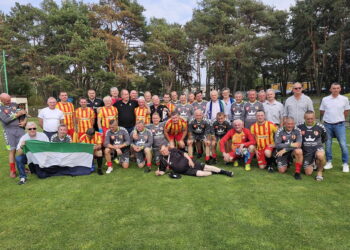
{"x": 303, "y": 132}
{"x": 256, "y": 107}
{"x": 112, "y": 137}
{"x": 120, "y": 136}
{"x": 316, "y": 133}
{"x": 96, "y": 103}
{"x": 284, "y": 138}
{"x": 195, "y": 126}
{"x": 6, "y": 111}
{"x": 14, "y": 108}
{"x": 293, "y": 137}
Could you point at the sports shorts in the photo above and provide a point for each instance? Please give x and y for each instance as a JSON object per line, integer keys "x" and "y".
{"x": 310, "y": 156}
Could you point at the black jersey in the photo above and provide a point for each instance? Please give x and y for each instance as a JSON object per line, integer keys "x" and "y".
{"x": 313, "y": 136}
{"x": 220, "y": 129}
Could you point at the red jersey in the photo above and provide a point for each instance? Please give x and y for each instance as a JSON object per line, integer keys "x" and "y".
{"x": 244, "y": 137}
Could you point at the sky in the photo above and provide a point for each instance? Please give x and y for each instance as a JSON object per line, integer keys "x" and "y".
{"x": 179, "y": 11}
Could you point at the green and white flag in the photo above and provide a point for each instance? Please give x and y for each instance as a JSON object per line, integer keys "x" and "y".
{"x": 46, "y": 154}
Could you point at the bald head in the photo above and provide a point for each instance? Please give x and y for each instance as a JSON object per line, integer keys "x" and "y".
{"x": 5, "y": 98}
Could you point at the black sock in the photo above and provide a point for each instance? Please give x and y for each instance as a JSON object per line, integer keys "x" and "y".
{"x": 269, "y": 161}
{"x": 99, "y": 161}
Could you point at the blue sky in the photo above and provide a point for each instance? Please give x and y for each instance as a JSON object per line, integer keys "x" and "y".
{"x": 179, "y": 11}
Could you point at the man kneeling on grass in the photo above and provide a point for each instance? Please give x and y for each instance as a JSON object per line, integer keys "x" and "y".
{"x": 93, "y": 137}
{"x": 21, "y": 159}
{"x": 314, "y": 135}
{"x": 141, "y": 144}
{"x": 117, "y": 145}
{"x": 180, "y": 163}
{"x": 288, "y": 141}
{"x": 242, "y": 145}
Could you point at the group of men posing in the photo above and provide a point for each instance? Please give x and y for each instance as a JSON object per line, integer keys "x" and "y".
{"x": 169, "y": 133}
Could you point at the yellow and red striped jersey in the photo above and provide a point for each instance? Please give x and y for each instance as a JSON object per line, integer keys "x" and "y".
{"x": 83, "y": 118}
{"x": 107, "y": 114}
{"x": 264, "y": 134}
{"x": 175, "y": 128}
{"x": 96, "y": 139}
{"x": 68, "y": 111}
{"x": 170, "y": 106}
{"x": 141, "y": 114}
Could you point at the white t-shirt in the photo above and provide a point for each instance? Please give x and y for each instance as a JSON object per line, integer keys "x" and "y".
{"x": 334, "y": 108}
{"x": 39, "y": 137}
{"x": 51, "y": 119}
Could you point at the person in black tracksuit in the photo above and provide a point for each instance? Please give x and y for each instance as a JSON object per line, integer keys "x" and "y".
{"x": 180, "y": 163}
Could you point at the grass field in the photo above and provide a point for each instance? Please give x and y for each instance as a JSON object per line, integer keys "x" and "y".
{"x": 132, "y": 210}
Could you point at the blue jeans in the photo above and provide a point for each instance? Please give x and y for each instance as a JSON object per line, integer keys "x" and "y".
{"x": 336, "y": 131}
{"x": 21, "y": 161}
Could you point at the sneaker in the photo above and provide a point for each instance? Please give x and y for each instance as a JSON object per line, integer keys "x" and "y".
{"x": 328, "y": 165}
{"x": 229, "y": 173}
{"x": 147, "y": 170}
{"x": 319, "y": 178}
{"x": 13, "y": 175}
{"x": 345, "y": 168}
{"x": 270, "y": 169}
{"x": 297, "y": 176}
{"x": 99, "y": 171}
{"x": 235, "y": 163}
{"x": 109, "y": 170}
{"x": 247, "y": 167}
{"x": 22, "y": 181}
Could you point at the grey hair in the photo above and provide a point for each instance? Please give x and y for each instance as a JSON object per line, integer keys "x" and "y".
{"x": 30, "y": 124}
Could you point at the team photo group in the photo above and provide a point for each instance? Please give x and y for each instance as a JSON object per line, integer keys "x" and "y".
{"x": 184, "y": 134}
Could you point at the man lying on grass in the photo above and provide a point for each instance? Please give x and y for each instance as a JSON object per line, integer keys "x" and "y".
{"x": 180, "y": 163}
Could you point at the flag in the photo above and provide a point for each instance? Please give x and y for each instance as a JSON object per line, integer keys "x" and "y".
{"x": 54, "y": 159}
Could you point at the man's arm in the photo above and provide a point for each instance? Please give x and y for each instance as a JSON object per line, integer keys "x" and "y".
{"x": 41, "y": 123}
{"x": 225, "y": 139}
{"x": 251, "y": 139}
{"x": 9, "y": 118}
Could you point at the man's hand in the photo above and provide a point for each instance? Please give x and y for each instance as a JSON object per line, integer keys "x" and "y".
{"x": 136, "y": 148}
{"x": 281, "y": 152}
{"x": 227, "y": 157}
{"x": 119, "y": 152}
{"x": 191, "y": 163}
{"x": 116, "y": 147}
{"x": 159, "y": 173}
{"x": 21, "y": 112}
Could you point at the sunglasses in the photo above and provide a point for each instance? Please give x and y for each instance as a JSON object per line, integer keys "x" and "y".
{"x": 31, "y": 128}
{"x": 297, "y": 88}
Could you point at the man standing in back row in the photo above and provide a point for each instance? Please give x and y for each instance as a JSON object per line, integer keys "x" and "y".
{"x": 334, "y": 109}
{"x": 297, "y": 104}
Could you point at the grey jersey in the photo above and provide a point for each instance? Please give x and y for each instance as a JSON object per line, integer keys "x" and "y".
{"x": 185, "y": 111}
{"x": 119, "y": 137}
{"x": 8, "y": 116}
{"x": 250, "y": 110}
{"x": 199, "y": 105}
{"x": 237, "y": 111}
{"x": 313, "y": 137}
{"x": 158, "y": 134}
{"x": 144, "y": 138}
{"x": 202, "y": 127}
{"x": 66, "y": 138}
{"x": 284, "y": 139}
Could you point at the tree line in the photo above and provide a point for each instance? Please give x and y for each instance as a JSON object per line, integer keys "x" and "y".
{"x": 240, "y": 44}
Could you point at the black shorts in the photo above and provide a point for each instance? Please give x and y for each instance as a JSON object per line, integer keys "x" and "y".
{"x": 284, "y": 160}
{"x": 310, "y": 156}
{"x": 198, "y": 166}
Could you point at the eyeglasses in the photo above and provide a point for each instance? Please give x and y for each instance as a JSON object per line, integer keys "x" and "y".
{"x": 297, "y": 88}
{"x": 31, "y": 128}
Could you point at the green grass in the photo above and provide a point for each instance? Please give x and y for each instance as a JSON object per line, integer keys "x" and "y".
{"x": 132, "y": 210}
